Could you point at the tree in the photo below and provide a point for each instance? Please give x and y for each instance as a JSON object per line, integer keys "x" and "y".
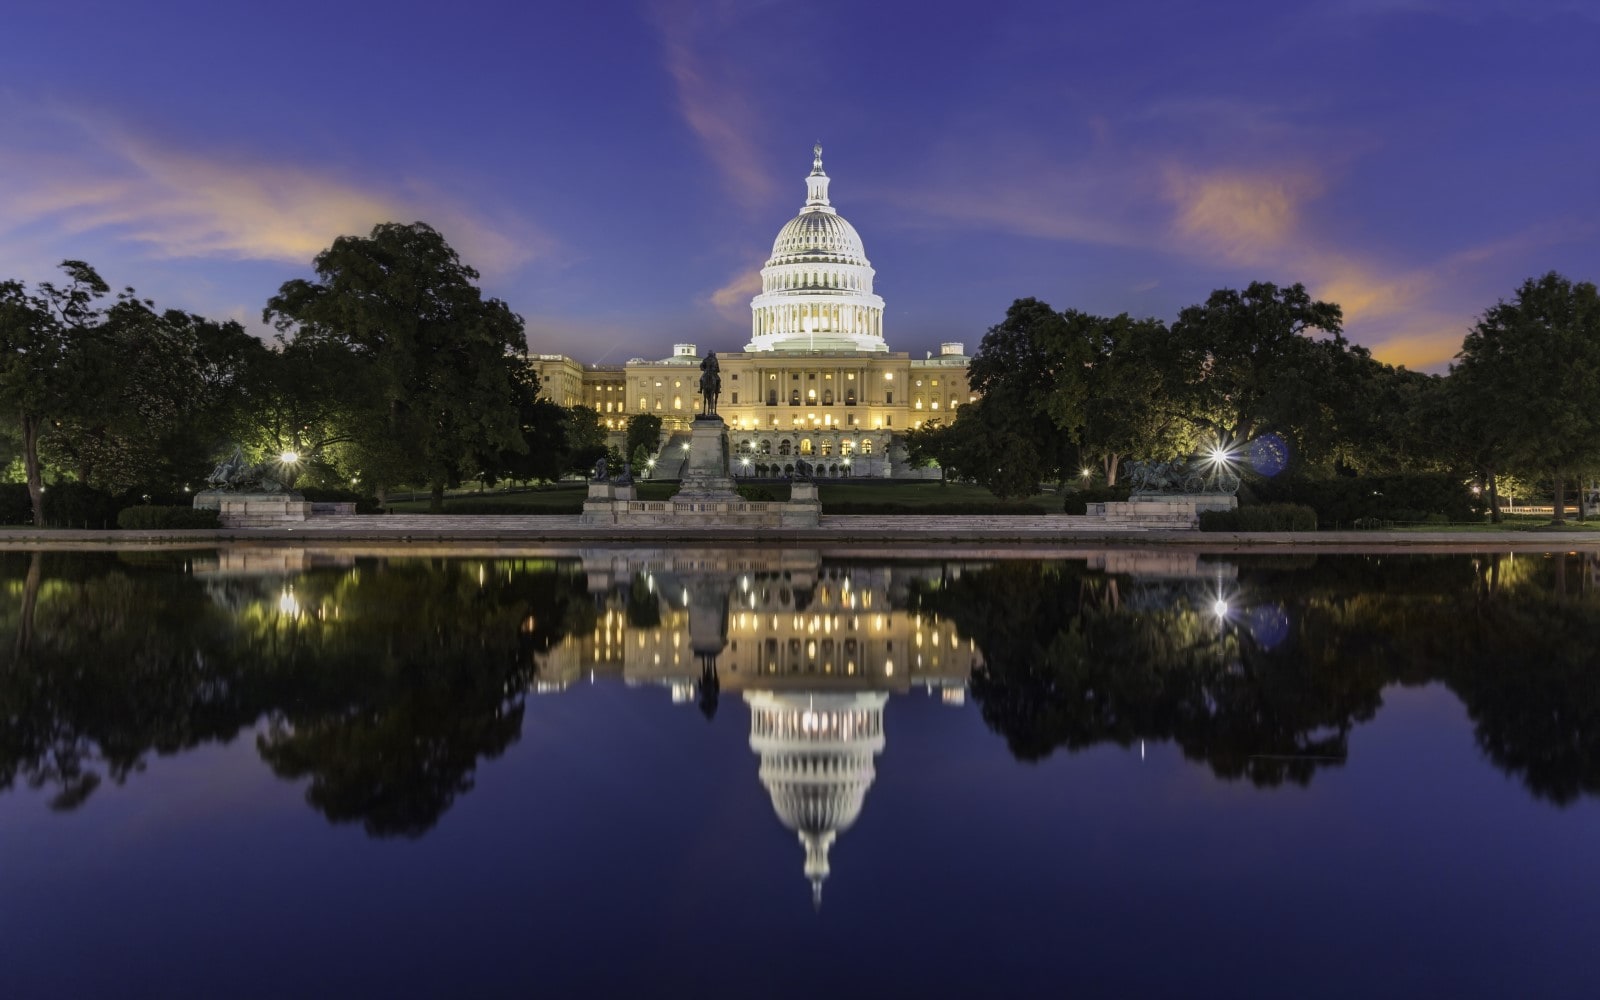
{"x": 1527, "y": 379}
{"x": 1135, "y": 396}
{"x": 1253, "y": 364}
{"x": 644, "y": 431}
{"x": 586, "y": 440}
{"x": 303, "y": 396}
{"x": 435, "y": 391}
{"x": 47, "y": 358}
{"x": 1029, "y": 371}
{"x": 165, "y": 390}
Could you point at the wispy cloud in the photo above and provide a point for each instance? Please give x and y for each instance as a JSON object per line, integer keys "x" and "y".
{"x": 715, "y": 103}
{"x": 179, "y": 203}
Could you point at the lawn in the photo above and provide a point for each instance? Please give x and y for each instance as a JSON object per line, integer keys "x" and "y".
{"x": 1509, "y": 522}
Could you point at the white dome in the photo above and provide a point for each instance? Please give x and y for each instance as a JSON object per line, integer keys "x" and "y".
{"x": 818, "y": 236}
{"x": 816, "y": 290}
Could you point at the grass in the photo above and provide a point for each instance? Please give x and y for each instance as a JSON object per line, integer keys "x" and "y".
{"x": 1509, "y": 522}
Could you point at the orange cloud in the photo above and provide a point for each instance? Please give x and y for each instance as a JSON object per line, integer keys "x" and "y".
{"x": 182, "y": 204}
{"x": 1240, "y": 214}
{"x": 733, "y": 298}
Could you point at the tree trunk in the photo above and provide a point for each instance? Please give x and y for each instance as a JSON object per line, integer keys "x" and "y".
{"x": 1112, "y": 461}
{"x": 1558, "y": 509}
{"x": 30, "y": 600}
{"x": 1494, "y": 499}
{"x": 30, "y": 463}
{"x": 436, "y": 499}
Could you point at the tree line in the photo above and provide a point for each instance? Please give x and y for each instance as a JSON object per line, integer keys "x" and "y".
{"x": 1267, "y": 374}
{"x": 390, "y": 367}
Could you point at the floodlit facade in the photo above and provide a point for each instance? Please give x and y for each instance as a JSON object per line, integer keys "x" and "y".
{"x": 816, "y": 379}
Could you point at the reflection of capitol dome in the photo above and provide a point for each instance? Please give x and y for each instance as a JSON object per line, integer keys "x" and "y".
{"x": 816, "y": 290}
{"x": 816, "y": 762}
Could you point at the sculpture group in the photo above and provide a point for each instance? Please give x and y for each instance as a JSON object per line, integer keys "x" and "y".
{"x": 237, "y": 474}
{"x": 1181, "y": 476}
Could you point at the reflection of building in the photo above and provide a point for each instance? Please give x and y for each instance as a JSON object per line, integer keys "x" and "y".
{"x": 793, "y": 623}
{"x": 816, "y": 379}
{"x": 816, "y": 648}
{"x": 816, "y": 762}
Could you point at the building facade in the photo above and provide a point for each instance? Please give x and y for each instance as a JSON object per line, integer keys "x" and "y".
{"x": 816, "y": 379}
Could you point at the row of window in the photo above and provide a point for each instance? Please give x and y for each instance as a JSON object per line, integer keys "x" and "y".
{"x": 823, "y": 447}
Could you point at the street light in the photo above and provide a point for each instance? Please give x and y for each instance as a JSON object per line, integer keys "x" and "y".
{"x": 289, "y": 457}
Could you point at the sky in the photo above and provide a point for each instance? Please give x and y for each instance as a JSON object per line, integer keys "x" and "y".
{"x": 617, "y": 169}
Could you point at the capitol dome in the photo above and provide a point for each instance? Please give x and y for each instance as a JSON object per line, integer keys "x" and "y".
{"x": 816, "y": 289}
{"x": 818, "y": 236}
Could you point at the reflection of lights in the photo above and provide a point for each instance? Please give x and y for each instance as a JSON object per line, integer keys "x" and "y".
{"x": 287, "y": 604}
{"x": 1220, "y": 608}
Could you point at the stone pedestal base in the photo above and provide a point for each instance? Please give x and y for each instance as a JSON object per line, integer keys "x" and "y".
{"x": 707, "y": 475}
{"x": 260, "y": 510}
{"x": 1178, "y": 511}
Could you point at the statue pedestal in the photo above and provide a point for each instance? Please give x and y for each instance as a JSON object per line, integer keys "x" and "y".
{"x": 706, "y": 498}
{"x": 1161, "y": 511}
{"x": 707, "y": 475}
{"x": 258, "y": 510}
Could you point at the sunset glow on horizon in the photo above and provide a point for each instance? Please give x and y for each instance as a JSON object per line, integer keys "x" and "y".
{"x": 616, "y": 171}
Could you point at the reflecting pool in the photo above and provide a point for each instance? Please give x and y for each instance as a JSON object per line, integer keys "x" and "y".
{"x": 275, "y": 771}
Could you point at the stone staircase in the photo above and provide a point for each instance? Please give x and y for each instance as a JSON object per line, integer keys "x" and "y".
{"x": 673, "y": 460}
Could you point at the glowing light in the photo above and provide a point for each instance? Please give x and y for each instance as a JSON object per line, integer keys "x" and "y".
{"x": 289, "y": 457}
{"x": 1220, "y": 608}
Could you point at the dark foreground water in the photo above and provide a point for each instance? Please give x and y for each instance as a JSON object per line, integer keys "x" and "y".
{"x": 284, "y": 773}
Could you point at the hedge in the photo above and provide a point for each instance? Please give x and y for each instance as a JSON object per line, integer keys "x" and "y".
{"x": 365, "y": 504}
{"x": 1262, "y": 517}
{"x": 66, "y": 505}
{"x": 977, "y": 507}
{"x": 145, "y": 518}
{"x": 1078, "y": 503}
{"x": 1344, "y": 500}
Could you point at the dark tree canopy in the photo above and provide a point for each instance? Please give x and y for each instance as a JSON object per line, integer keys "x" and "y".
{"x": 1527, "y": 381}
{"x": 1254, "y": 364}
{"x": 433, "y": 381}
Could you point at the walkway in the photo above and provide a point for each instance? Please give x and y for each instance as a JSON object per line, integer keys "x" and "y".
{"x": 1056, "y": 531}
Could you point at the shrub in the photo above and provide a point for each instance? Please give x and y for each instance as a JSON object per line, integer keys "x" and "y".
{"x": 513, "y": 509}
{"x": 145, "y": 518}
{"x": 364, "y": 504}
{"x": 1369, "y": 523}
{"x": 1263, "y": 517}
{"x": 1078, "y": 503}
{"x": 754, "y": 493}
{"x": 1343, "y": 500}
{"x": 958, "y": 507}
{"x": 16, "y": 507}
{"x": 74, "y": 505}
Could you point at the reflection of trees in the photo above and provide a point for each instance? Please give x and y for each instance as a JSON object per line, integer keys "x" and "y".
{"x": 1074, "y": 659}
{"x": 383, "y": 684}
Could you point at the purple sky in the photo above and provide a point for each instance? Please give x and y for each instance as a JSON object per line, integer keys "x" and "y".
{"x": 617, "y": 170}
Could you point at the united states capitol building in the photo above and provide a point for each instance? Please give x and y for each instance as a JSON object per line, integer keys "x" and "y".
{"x": 817, "y": 379}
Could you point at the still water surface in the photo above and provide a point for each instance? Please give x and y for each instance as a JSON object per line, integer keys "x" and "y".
{"x": 287, "y": 772}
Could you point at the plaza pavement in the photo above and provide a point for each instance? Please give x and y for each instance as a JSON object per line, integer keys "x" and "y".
{"x": 1051, "y": 531}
